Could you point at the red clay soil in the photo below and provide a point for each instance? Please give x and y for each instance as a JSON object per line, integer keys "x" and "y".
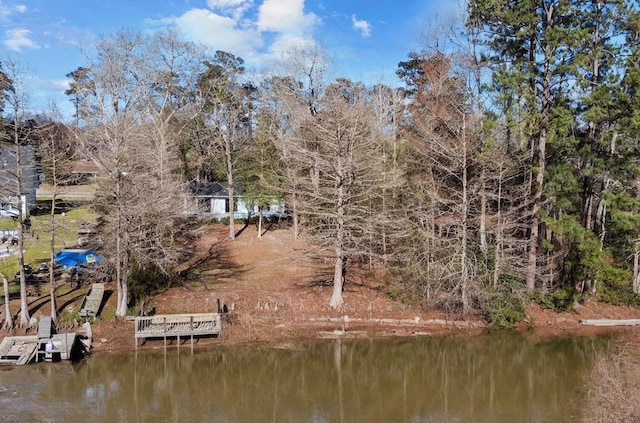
{"x": 276, "y": 291}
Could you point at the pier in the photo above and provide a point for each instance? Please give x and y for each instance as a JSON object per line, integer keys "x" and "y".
{"x": 177, "y": 326}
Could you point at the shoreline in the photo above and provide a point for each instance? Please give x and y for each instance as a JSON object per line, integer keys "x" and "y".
{"x": 118, "y": 337}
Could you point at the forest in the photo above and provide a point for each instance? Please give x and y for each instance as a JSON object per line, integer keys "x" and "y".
{"x": 502, "y": 169}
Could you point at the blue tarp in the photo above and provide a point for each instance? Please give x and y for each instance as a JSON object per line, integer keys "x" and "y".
{"x": 73, "y": 258}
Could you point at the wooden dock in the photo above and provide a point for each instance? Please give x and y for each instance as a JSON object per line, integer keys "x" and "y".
{"x": 19, "y": 350}
{"x": 92, "y": 302}
{"x": 178, "y": 326}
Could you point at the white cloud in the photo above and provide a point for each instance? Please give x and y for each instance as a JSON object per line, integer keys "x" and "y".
{"x": 284, "y": 44}
{"x": 219, "y": 32}
{"x": 285, "y": 16}
{"x": 361, "y": 25}
{"x": 56, "y": 84}
{"x": 223, "y": 4}
{"x": 4, "y": 11}
{"x": 227, "y": 25}
{"x": 17, "y": 39}
{"x": 233, "y": 8}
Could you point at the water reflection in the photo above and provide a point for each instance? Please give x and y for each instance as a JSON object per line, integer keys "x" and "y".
{"x": 499, "y": 378}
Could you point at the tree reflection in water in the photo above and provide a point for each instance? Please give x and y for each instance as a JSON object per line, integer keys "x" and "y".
{"x": 497, "y": 378}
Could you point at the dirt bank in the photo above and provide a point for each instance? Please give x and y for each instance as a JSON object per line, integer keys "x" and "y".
{"x": 276, "y": 292}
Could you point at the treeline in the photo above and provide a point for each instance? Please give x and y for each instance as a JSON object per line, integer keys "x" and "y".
{"x": 505, "y": 169}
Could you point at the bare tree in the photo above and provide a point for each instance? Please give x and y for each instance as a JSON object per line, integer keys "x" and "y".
{"x": 278, "y": 98}
{"x": 5, "y": 88}
{"x": 19, "y": 183}
{"x": 57, "y": 147}
{"x": 338, "y": 143}
{"x": 129, "y": 132}
{"x": 8, "y": 319}
{"x": 172, "y": 69}
{"x": 442, "y": 134}
{"x": 388, "y": 107}
{"x": 302, "y": 77}
{"x": 612, "y": 388}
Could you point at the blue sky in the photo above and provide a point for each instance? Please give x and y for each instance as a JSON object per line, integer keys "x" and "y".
{"x": 365, "y": 38}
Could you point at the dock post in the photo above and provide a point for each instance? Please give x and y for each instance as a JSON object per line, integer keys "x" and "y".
{"x": 135, "y": 332}
{"x": 191, "y": 330}
{"x": 164, "y": 332}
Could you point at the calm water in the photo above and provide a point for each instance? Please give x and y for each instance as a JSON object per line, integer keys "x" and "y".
{"x": 498, "y": 378}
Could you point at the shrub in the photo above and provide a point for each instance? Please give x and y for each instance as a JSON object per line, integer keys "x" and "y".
{"x": 503, "y": 305}
{"x": 613, "y": 392}
{"x": 559, "y": 300}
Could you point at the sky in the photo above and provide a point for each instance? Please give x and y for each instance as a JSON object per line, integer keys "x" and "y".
{"x": 364, "y": 38}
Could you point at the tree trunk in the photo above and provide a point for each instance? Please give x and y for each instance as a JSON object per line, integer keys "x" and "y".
{"x": 636, "y": 270}
{"x": 338, "y": 280}
{"x": 340, "y": 265}
{"x": 227, "y": 152}
{"x": 294, "y": 217}
{"x": 119, "y": 275}
{"x": 24, "y": 306}
{"x": 52, "y": 280}
{"x": 533, "y": 255}
{"x": 497, "y": 262}
{"x": 464, "y": 274}
{"x": 540, "y": 163}
{"x": 123, "y": 293}
{"x": 122, "y": 264}
{"x": 8, "y": 318}
{"x": 483, "y": 211}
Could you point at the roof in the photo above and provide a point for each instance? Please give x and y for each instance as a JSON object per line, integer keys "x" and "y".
{"x": 85, "y": 166}
{"x": 211, "y": 189}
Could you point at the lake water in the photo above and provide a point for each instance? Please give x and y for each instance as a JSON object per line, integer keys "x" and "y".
{"x": 496, "y": 378}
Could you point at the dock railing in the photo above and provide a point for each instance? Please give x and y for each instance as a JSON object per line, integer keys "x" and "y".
{"x": 178, "y": 325}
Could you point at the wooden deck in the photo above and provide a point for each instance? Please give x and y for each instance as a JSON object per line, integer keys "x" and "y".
{"x": 19, "y": 350}
{"x": 178, "y": 325}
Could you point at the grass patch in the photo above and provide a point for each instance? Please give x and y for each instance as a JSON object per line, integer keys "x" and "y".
{"x": 7, "y": 223}
{"x": 37, "y": 240}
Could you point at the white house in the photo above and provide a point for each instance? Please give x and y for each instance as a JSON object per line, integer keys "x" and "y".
{"x": 212, "y": 200}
